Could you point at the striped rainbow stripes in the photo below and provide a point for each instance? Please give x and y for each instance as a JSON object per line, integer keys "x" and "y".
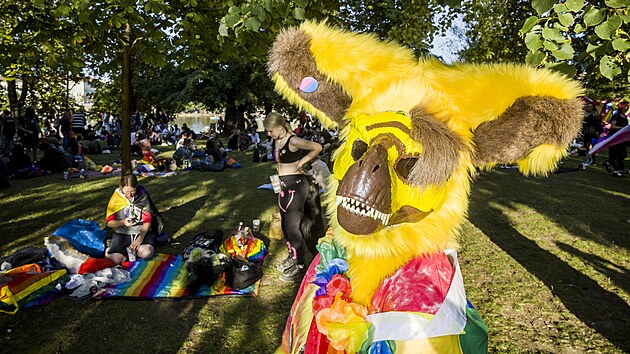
{"x": 164, "y": 276}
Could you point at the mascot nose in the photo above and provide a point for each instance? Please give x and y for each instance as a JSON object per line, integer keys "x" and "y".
{"x": 364, "y": 194}
{"x": 374, "y": 161}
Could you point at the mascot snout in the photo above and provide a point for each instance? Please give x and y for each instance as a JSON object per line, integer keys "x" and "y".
{"x": 364, "y": 196}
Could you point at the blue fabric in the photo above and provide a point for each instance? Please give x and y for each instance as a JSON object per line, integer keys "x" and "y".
{"x": 85, "y": 236}
{"x": 381, "y": 347}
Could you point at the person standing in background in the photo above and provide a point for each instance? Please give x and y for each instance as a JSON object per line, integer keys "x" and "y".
{"x": 617, "y": 153}
{"x": 79, "y": 122}
{"x": 7, "y": 133}
{"x": 28, "y": 130}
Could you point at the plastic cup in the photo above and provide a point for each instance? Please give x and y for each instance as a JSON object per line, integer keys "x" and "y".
{"x": 256, "y": 225}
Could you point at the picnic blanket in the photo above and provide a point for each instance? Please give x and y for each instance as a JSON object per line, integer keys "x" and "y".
{"x": 114, "y": 173}
{"x": 164, "y": 276}
{"x": 158, "y": 174}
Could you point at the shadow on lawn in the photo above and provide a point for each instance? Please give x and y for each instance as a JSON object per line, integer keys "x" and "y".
{"x": 602, "y": 310}
{"x": 587, "y": 203}
{"x": 191, "y": 203}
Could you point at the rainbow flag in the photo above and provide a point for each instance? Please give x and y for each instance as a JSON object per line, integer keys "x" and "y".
{"x": 164, "y": 276}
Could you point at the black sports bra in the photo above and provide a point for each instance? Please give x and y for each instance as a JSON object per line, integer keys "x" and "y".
{"x": 285, "y": 155}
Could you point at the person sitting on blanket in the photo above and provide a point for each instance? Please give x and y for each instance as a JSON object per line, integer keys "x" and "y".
{"x": 183, "y": 153}
{"x": 134, "y": 219}
{"x": 149, "y": 157}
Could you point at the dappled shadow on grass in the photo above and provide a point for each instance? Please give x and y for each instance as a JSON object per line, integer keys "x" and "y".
{"x": 191, "y": 203}
{"x": 35, "y": 212}
{"x": 616, "y": 273}
{"x": 598, "y": 308}
{"x": 245, "y": 325}
{"x": 588, "y": 204}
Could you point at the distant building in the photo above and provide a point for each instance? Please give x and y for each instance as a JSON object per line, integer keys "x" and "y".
{"x": 81, "y": 91}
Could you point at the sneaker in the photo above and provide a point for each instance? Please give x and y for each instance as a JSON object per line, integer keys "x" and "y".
{"x": 285, "y": 264}
{"x": 617, "y": 174}
{"x": 293, "y": 274}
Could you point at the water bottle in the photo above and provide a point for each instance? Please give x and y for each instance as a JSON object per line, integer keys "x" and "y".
{"x": 240, "y": 234}
{"x": 131, "y": 255}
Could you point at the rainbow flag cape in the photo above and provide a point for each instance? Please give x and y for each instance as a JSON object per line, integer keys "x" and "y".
{"x": 622, "y": 136}
{"x": 117, "y": 202}
{"x": 164, "y": 276}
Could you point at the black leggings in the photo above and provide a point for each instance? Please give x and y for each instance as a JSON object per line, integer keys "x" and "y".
{"x": 291, "y": 199}
{"x": 616, "y": 156}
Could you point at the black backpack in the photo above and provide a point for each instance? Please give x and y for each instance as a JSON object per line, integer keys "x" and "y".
{"x": 243, "y": 273}
{"x": 205, "y": 271}
{"x": 256, "y": 157}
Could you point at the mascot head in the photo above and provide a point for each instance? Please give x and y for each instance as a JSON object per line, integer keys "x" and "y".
{"x": 414, "y": 132}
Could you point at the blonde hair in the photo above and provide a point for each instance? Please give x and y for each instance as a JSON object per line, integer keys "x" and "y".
{"x": 275, "y": 119}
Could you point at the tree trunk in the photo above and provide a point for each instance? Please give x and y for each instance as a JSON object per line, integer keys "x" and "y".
{"x": 13, "y": 99}
{"x": 23, "y": 94}
{"x": 125, "y": 147}
{"x": 231, "y": 118}
{"x": 241, "y": 117}
{"x": 17, "y": 103}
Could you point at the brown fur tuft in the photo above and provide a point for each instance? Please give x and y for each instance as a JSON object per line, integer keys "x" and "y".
{"x": 528, "y": 123}
{"x": 292, "y": 59}
{"x": 441, "y": 149}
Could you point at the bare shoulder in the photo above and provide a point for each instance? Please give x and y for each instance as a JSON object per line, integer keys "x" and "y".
{"x": 304, "y": 144}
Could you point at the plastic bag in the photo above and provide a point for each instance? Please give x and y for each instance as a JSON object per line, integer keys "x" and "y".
{"x": 84, "y": 235}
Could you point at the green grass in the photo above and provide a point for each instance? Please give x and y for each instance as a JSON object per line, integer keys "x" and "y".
{"x": 545, "y": 261}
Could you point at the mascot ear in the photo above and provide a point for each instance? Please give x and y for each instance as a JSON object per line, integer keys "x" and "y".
{"x": 534, "y": 133}
{"x": 323, "y": 70}
{"x": 293, "y": 67}
{"x": 441, "y": 149}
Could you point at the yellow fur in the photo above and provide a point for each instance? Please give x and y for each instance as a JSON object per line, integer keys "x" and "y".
{"x": 383, "y": 78}
{"x": 542, "y": 160}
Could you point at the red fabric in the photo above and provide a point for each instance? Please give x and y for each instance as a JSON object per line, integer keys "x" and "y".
{"x": 420, "y": 286}
{"x": 111, "y": 217}
{"x": 339, "y": 283}
{"x": 316, "y": 342}
{"x": 308, "y": 277}
{"x": 93, "y": 265}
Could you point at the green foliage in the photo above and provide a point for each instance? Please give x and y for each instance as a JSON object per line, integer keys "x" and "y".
{"x": 51, "y": 94}
{"x": 107, "y": 97}
{"x": 411, "y": 23}
{"x": 492, "y": 33}
{"x": 581, "y": 37}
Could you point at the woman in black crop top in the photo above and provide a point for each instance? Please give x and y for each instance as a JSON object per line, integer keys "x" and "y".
{"x": 291, "y": 153}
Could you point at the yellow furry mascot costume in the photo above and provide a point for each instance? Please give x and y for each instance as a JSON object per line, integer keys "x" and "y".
{"x": 387, "y": 280}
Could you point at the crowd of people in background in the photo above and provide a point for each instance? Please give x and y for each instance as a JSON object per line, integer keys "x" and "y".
{"x": 305, "y": 127}
{"x": 601, "y": 121}
{"x": 54, "y": 142}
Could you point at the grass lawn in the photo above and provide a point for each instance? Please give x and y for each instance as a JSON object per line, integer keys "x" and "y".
{"x": 545, "y": 261}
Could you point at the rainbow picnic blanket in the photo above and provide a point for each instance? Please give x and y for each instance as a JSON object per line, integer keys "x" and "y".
{"x": 164, "y": 276}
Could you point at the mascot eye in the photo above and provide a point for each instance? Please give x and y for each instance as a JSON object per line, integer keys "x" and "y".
{"x": 358, "y": 149}
{"x": 308, "y": 85}
{"x": 404, "y": 165}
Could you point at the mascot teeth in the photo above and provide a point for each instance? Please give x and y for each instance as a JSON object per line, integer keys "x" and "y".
{"x": 363, "y": 209}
